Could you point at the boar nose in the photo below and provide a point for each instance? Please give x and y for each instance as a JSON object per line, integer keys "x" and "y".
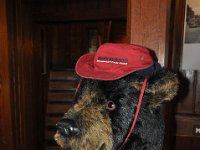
{"x": 67, "y": 127}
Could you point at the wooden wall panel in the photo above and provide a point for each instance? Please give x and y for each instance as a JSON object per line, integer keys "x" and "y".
{"x": 6, "y": 128}
{"x": 185, "y": 125}
{"x": 186, "y": 109}
{"x": 25, "y": 110}
{"x": 185, "y": 102}
{"x": 177, "y": 27}
{"x": 79, "y": 10}
{"x": 188, "y": 100}
{"x": 186, "y": 143}
{"x": 149, "y": 24}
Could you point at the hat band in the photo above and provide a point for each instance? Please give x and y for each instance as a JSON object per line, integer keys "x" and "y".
{"x": 121, "y": 61}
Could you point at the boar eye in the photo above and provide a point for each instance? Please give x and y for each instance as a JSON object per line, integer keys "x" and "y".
{"x": 110, "y": 105}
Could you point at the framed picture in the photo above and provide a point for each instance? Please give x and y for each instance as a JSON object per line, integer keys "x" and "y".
{"x": 191, "y": 40}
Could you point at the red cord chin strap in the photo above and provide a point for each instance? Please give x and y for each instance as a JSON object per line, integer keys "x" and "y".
{"x": 136, "y": 114}
{"x": 77, "y": 88}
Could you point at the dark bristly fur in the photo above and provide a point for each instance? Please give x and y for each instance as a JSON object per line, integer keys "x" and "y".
{"x": 104, "y": 129}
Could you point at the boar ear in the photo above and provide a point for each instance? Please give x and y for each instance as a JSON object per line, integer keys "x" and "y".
{"x": 162, "y": 87}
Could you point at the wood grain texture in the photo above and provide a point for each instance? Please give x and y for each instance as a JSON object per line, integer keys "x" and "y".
{"x": 25, "y": 109}
{"x": 189, "y": 97}
{"x": 149, "y": 25}
{"x": 186, "y": 143}
{"x": 6, "y": 134}
{"x": 79, "y": 10}
{"x": 177, "y": 32}
{"x": 184, "y": 125}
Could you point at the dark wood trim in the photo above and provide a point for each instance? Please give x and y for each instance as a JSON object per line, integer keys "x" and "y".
{"x": 65, "y": 11}
{"x": 150, "y": 24}
{"x": 24, "y": 110}
{"x": 6, "y": 128}
{"x": 177, "y": 27}
{"x": 128, "y": 22}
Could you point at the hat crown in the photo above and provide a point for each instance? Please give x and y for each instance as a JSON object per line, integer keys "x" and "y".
{"x": 117, "y": 56}
{"x": 113, "y": 61}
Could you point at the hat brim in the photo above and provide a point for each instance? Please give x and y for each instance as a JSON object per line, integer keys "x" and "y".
{"x": 85, "y": 68}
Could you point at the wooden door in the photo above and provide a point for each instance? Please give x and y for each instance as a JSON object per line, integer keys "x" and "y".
{"x": 185, "y": 119}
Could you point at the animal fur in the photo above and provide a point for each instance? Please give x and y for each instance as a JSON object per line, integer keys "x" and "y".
{"x": 106, "y": 130}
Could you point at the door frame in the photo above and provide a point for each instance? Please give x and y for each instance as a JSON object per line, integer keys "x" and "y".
{"x": 6, "y": 134}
